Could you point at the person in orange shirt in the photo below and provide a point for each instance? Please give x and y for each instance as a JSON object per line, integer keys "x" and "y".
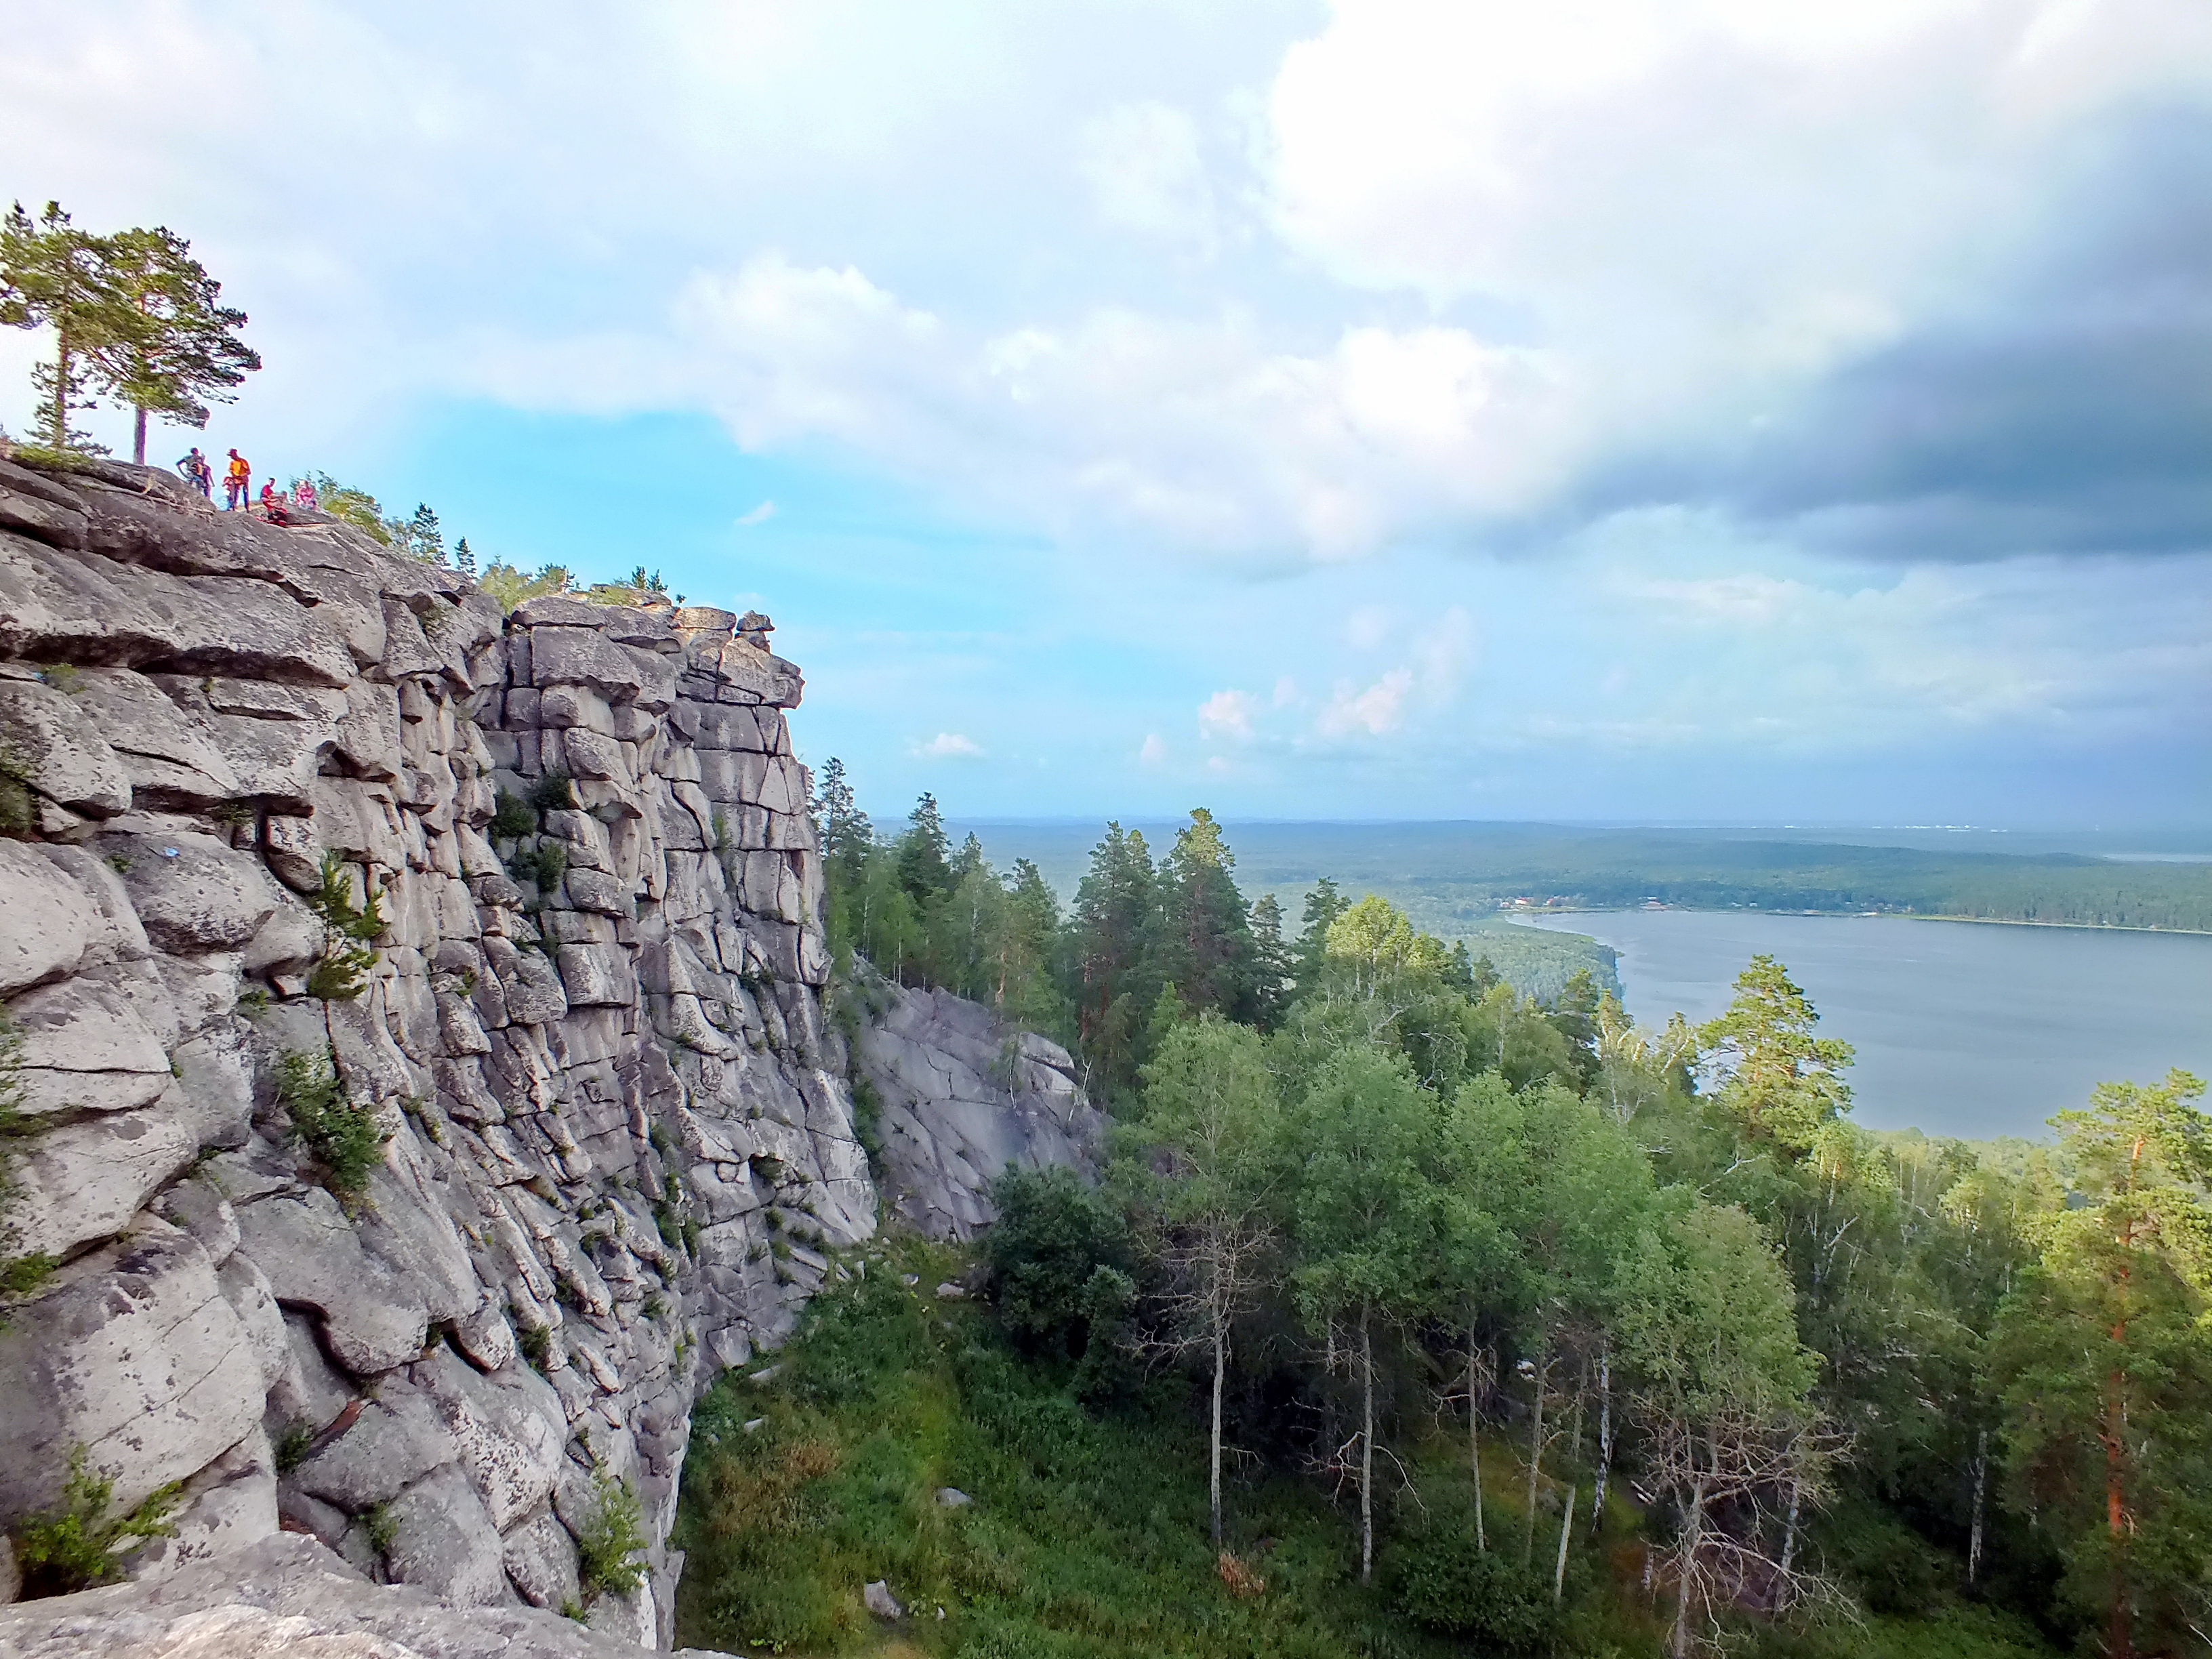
{"x": 235, "y": 479}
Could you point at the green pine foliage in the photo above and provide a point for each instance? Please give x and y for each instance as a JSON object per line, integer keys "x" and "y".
{"x": 348, "y": 929}
{"x": 76, "y": 1544}
{"x": 344, "y": 1137}
{"x": 611, "y": 1546}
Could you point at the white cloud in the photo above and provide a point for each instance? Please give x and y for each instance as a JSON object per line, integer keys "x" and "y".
{"x": 950, "y": 745}
{"x": 1636, "y": 219}
{"x": 1151, "y": 752}
{"x": 1377, "y": 710}
{"x": 1368, "y": 627}
{"x": 760, "y": 514}
{"x": 1142, "y": 163}
{"x": 1443, "y": 651}
{"x": 1228, "y": 713}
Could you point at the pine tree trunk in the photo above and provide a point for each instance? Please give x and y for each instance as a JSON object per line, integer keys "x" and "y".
{"x": 1981, "y": 1483}
{"x": 1366, "y": 1454}
{"x": 138, "y": 434}
{"x": 1604, "y": 1436}
{"x": 1473, "y": 1446}
{"x": 58, "y": 414}
{"x": 1567, "y": 1531}
{"x": 1535, "y": 1457}
{"x": 1214, "y": 1489}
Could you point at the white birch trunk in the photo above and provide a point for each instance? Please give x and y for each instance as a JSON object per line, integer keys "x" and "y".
{"x": 1604, "y": 1436}
{"x": 1366, "y": 1454}
{"x": 1220, "y": 1348}
{"x": 1473, "y": 1445}
{"x": 1567, "y": 1531}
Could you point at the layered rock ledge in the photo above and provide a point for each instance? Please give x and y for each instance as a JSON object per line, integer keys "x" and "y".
{"x": 619, "y": 1150}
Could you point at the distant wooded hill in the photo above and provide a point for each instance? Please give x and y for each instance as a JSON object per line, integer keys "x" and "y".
{"x": 1451, "y": 878}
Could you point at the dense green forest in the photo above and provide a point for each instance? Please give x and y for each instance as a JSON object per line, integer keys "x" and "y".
{"x": 1449, "y": 878}
{"x": 1415, "y": 1316}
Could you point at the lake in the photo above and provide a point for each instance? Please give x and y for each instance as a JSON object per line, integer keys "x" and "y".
{"x": 1961, "y": 1028}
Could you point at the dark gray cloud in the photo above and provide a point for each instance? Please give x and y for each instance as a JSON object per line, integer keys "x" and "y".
{"x": 2067, "y": 408}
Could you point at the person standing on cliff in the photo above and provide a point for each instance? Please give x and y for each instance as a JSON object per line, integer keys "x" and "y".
{"x": 235, "y": 479}
{"x": 198, "y": 472}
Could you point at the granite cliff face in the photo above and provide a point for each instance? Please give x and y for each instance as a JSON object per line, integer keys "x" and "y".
{"x": 619, "y": 1149}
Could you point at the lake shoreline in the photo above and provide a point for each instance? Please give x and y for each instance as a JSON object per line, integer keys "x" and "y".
{"x": 1528, "y": 917}
{"x": 1970, "y": 1033}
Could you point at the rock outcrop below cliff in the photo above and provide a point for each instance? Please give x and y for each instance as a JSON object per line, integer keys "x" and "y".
{"x": 618, "y": 1149}
{"x": 960, "y": 1096}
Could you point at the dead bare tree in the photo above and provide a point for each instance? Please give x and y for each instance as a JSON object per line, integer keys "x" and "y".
{"x": 1739, "y": 1480}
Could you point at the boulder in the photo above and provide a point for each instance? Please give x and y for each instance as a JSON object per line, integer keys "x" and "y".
{"x": 288, "y": 1597}
{"x": 444, "y": 1542}
{"x": 876, "y": 1597}
{"x": 191, "y": 891}
{"x": 58, "y": 746}
{"x": 541, "y": 1562}
{"x": 313, "y": 1259}
{"x": 596, "y": 975}
{"x": 228, "y": 1505}
{"x": 50, "y": 919}
{"x": 133, "y": 1353}
{"x": 85, "y": 1048}
{"x": 167, "y": 757}
{"x": 30, "y": 507}
{"x": 507, "y": 1427}
{"x": 82, "y": 1182}
{"x": 964, "y": 1096}
{"x": 396, "y": 1440}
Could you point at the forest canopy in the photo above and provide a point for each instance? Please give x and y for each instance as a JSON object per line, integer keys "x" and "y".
{"x": 1748, "y": 1371}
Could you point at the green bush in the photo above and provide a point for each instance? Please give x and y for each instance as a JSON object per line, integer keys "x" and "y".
{"x": 344, "y": 1137}
{"x": 20, "y": 1275}
{"x": 1440, "y": 1580}
{"x": 552, "y": 791}
{"x": 544, "y": 863}
{"x": 347, "y": 928}
{"x": 613, "y": 1538}
{"x": 74, "y": 1545}
{"x": 513, "y": 818}
{"x": 1061, "y": 1258}
{"x": 1893, "y": 1567}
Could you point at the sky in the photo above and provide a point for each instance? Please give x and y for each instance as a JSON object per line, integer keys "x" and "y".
{"x": 1644, "y": 410}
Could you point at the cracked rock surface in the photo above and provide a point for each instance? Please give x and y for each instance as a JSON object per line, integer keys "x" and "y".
{"x": 593, "y": 1040}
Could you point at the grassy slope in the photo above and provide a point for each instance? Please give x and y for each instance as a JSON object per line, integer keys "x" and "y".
{"x": 1087, "y": 1537}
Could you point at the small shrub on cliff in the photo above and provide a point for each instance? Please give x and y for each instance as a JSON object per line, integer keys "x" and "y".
{"x": 553, "y": 791}
{"x": 347, "y": 930}
{"x": 74, "y": 1545}
{"x": 612, "y": 1539}
{"x": 513, "y": 818}
{"x": 18, "y": 813}
{"x": 544, "y": 864}
{"x": 344, "y": 1137}
{"x": 19, "y": 1274}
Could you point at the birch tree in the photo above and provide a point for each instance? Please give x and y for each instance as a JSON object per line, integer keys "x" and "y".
{"x": 1731, "y": 1439}
{"x": 1204, "y": 1144}
{"x": 1369, "y": 1225}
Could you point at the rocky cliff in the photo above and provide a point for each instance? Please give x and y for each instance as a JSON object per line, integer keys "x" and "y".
{"x": 613, "y": 1149}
